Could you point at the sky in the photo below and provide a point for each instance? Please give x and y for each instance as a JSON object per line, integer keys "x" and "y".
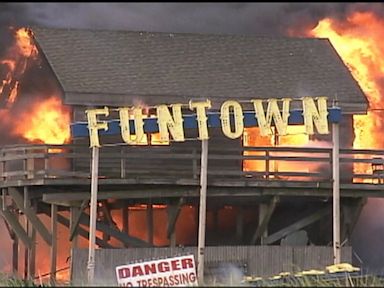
{"x": 259, "y": 19}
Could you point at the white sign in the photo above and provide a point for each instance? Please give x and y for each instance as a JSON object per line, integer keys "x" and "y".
{"x": 170, "y": 272}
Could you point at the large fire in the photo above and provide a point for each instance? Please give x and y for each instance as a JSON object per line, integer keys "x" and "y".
{"x": 38, "y": 119}
{"x": 46, "y": 120}
{"x": 358, "y": 42}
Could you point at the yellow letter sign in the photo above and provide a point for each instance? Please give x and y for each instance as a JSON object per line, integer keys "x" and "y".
{"x": 165, "y": 121}
{"x": 319, "y": 117}
{"x": 225, "y": 119}
{"x": 93, "y": 126}
{"x": 139, "y": 136}
{"x": 273, "y": 111}
{"x": 201, "y": 117}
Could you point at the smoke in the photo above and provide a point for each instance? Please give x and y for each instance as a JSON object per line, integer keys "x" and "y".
{"x": 237, "y": 18}
{"x": 369, "y": 231}
{"x": 225, "y": 273}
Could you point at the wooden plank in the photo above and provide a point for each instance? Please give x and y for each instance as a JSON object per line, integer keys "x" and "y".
{"x": 173, "y": 214}
{"x": 350, "y": 211}
{"x": 125, "y": 217}
{"x": 76, "y": 220}
{"x": 32, "y": 217}
{"x": 80, "y": 231}
{"x": 53, "y": 250}
{"x": 297, "y": 225}
{"x": 16, "y": 227}
{"x": 264, "y": 222}
{"x": 149, "y": 224}
{"x": 125, "y": 239}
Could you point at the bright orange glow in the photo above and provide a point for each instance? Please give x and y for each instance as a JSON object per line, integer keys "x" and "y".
{"x": 252, "y": 138}
{"x": 24, "y": 43}
{"x": 47, "y": 122}
{"x": 358, "y": 40}
{"x": 16, "y": 63}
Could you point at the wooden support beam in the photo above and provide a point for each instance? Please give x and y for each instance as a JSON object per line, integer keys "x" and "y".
{"x": 240, "y": 224}
{"x": 150, "y": 224}
{"x": 359, "y": 207}
{"x": 173, "y": 214}
{"x": 80, "y": 231}
{"x": 76, "y": 219}
{"x": 30, "y": 254}
{"x": 125, "y": 217}
{"x": 15, "y": 255}
{"x": 215, "y": 216}
{"x": 54, "y": 244}
{"x": 13, "y": 222}
{"x": 121, "y": 236}
{"x": 15, "y": 249}
{"x": 32, "y": 251}
{"x": 263, "y": 223}
{"x": 297, "y": 225}
{"x": 350, "y": 214}
{"x": 108, "y": 219}
{"x": 32, "y": 217}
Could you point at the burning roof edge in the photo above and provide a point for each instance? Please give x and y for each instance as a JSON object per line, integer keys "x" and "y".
{"x": 107, "y": 67}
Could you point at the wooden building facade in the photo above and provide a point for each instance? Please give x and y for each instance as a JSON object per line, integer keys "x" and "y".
{"x": 124, "y": 68}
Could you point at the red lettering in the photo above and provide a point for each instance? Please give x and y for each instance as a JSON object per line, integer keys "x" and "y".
{"x": 187, "y": 263}
{"x": 150, "y": 268}
{"x": 160, "y": 282}
{"x": 175, "y": 264}
{"x": 124, "y": 272}
{"x": 166, "y": 281}
{"x": 171, "y": 283}
{"x": 137, "y": 271}
{"x": 192, "y": 277}
{"x": 184, "y": 278}
{"x": 163, "y": 266}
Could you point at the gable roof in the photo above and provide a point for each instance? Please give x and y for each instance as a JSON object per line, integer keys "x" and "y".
{"x": 123, "y": 67}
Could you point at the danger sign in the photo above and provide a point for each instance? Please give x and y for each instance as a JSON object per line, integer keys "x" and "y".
{"x": 169, "y": 272}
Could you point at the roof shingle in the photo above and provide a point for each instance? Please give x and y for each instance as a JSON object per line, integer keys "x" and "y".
{"x": 122, "y": 67}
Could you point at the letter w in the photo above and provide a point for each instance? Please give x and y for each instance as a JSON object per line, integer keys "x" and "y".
{"x": 273, "y": 112}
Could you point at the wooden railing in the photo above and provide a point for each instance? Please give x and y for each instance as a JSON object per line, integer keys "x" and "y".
{"x": 269, "y": 163}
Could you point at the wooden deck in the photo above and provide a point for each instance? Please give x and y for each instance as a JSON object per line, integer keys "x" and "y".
{"x": 62, "y": 172}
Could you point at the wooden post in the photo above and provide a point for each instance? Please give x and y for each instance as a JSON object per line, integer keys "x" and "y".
{"x": 93, "y": 212}
{"x": 15, "y": 255}
{"x": 150, "y": 224}
{"x": 26, "y": 227}
{"x": 202, "y": 211}
{"x": 263, "y": 208}
{"x": 30, "y": 252}
{"x": 125, "y": 216}
{"x": 54, "y": 244}
{"x": 336, "y": 193}
{"x": 74, "y": 211}
{"x": 240, "y": 224}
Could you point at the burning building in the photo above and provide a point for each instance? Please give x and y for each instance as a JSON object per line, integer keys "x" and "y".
{"x": 269, "y": 201}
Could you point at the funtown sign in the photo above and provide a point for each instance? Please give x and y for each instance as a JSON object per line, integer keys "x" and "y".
{"x": 134, "y": 126}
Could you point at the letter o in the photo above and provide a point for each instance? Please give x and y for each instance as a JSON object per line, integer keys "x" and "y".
{"x": 226, "y": 119}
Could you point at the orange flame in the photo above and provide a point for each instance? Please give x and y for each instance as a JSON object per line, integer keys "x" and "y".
{"x": 48, "y": 122}
{"x": 16, "y": 64}
{"x": 358, "y": 40}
